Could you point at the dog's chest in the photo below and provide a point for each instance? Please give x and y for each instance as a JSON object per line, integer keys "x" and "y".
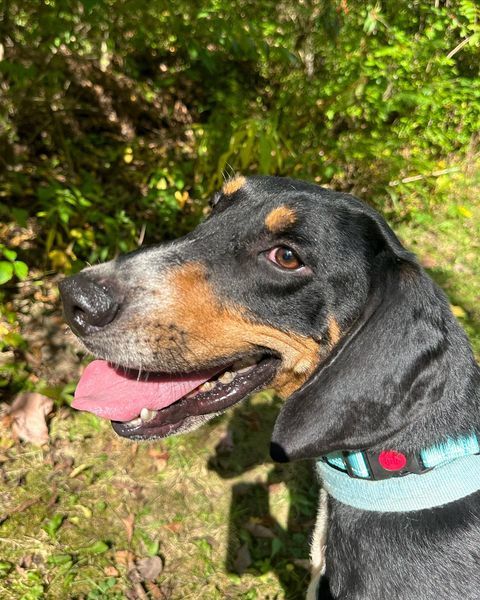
{"x": 405, "y": 556}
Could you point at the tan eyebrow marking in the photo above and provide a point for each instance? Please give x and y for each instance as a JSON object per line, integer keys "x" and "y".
{"x": 233, "y": 185}
{"x": 280, "y": 218}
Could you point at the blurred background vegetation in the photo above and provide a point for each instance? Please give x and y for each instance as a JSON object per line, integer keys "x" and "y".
{"x": 118, "y": 119}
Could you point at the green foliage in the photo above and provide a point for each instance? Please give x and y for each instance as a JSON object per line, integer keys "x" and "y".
{"x": 102, "y": 590}
{"x": 10, "y": 266}
{"x": 98, "y": 547}
{"x": 53, "y": 525}
{"x": 119, "y": 113}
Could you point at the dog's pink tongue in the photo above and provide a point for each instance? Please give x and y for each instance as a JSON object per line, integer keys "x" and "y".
{"x": 119, "y": 396}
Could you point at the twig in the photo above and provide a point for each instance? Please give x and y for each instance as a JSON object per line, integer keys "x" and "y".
{"x": 19, "y": 508}
{"x": 419, "y": 177}
{"x": 141, "y": 237}
{"x": 459, "y": 46}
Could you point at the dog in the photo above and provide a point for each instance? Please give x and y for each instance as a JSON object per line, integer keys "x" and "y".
{"x": 298, "y": 288}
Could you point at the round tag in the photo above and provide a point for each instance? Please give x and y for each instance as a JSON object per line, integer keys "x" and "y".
{"x": 391, "y": 460}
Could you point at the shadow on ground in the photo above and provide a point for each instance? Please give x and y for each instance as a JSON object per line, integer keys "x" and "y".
{"x": 258, "y": 542}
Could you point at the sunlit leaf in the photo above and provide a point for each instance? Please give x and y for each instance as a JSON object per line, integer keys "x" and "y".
{"x": 6, "y": 271}
{"x": 21, "y": 269}
{"x": 9, "y": 254}
{"x": 458, "y": 311}
{"x": 98, "y": 547}
{"x": 465, "y": 212}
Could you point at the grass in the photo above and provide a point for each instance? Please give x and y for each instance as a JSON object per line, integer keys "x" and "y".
{"x": 101, "y": 503}
{"x": 78, "y": 515}
{"x": 447, "y": 240}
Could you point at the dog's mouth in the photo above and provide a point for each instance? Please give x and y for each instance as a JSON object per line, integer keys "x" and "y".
{"x": 149, "y": 405}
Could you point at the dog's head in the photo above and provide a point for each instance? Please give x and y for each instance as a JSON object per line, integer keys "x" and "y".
{"x": 285, "y": 285}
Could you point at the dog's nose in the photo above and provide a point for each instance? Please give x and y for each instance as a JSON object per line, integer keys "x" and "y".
{"x": 87, "y": 305}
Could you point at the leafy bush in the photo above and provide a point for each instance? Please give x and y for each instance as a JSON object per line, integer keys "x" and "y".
{"x": 9, "y": 265}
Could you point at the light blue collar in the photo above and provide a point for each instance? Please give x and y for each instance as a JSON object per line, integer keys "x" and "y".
{"x": 451, "y": 471}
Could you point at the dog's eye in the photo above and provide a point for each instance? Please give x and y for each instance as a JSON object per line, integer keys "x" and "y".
{"x": 284, "y": 257}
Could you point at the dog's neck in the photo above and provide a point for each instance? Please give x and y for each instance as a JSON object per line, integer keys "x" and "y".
{"x": 444, "y": 423}
{"x": 392, "y": 482}
{"x": 403, "y": 377}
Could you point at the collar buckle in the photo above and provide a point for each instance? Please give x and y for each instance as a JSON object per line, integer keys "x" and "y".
{"x": 381, "y": 468}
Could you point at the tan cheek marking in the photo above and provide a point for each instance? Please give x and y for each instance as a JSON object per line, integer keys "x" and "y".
{"x": 280, "y": 218}
{"x": 233, "y": 185}
{"x": 215, "y": 329}
{"x": 334, "y": 332}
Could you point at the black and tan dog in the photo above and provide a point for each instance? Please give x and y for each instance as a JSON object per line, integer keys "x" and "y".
{"x": 291, "y": 286}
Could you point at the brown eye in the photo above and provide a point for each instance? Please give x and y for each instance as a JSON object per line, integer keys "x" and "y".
{"x": 285, "y": 257}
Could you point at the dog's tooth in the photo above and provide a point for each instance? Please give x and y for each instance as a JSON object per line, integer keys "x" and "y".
{"x": 207, "y": 386}
{"x": 227, "y": 377}
{"x": 134, "y": 422}
{"x": 147, "y": 415}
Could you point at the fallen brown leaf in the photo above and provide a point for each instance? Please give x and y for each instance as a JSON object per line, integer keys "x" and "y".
{"x": 150, "y": 568}
{"x": 259, "y": 531}
{"x": 429, "y": 262}
{"x": 158, "y": 454}
{"x": 174, "y": 526}
{"x": 160, "y": 458}
{"x": 124, "y": 557}
{"x": 156, "y": 593}
{"x": 243, "y": 560}
{"x": 128, "y": 523}
{"x": 28, "y": 413}
{"x": 136, "y": 593}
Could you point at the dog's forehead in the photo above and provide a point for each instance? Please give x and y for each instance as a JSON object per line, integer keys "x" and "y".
{"x": 272, "y": 203}
{"x": 266, "y": 189}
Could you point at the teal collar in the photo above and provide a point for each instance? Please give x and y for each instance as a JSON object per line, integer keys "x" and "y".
{"x": 390, "y": 481}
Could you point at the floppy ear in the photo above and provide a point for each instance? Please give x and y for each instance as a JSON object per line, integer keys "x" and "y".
{"x": 391, "y": 364}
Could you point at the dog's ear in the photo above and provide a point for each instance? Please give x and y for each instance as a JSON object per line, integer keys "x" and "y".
{"x": 385, "y": 367}
{"x": 374, "y": 230}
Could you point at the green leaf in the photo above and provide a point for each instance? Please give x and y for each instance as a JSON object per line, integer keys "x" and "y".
{"x": 97, "y": 548}
{"x": 21, "y": 269}
{"x": 277, "y": 545}
{"x": 6, "y": 271}
{"x": 59, "y": 559}
{"x": 5, "y": 567}
{"x": 52, "y": 526}
{"x": 9, "y": 254}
